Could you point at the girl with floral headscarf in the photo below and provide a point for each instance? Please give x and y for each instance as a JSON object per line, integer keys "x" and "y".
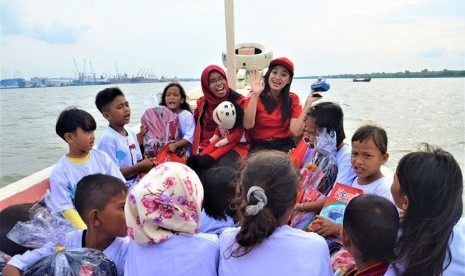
{"x": 163, "y": 213}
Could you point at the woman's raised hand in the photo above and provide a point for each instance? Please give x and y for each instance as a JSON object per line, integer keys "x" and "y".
{"x": 257, "y": 82}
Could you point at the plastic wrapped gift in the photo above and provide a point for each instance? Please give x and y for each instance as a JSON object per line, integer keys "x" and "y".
{"x": 75, "y": 262}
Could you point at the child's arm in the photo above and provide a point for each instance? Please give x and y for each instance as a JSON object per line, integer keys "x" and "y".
{"x": 234, "y": 137}
{"x": 140, "y": 134}
{"x": 326, "y": 227}
{"x": 314, "y": 206}
{"x": 72, "y": 216}
{"x": 143, "y": 166}
{"x": 179, "y": 144}
{"x": 10, "y": 270}
{"x": 20, "y": 263}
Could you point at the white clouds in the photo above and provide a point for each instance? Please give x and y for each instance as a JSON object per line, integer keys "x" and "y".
{"x": 179, "y": 38}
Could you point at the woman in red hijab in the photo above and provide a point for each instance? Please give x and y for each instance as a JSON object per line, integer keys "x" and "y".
{"x": 215, "y": 90}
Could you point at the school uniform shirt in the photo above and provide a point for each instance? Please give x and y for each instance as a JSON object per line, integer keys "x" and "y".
{"x": 457, "y": 248}
{"x": 178, "y": 255}
{"x": 66, "y": 174}
{"x": 187, "y": 122}
{"x": 211, "y": 225}
{"x": 116, "y": 251}
{"x": 270, "y": 125}
{"x": 381, "y": 187}
{"x": 124, "y": 150}
{"x": 345, "y": 172}
{"x": 287, "y": 251}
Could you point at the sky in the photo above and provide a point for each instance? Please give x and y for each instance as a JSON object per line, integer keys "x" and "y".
{"x": 181, "y": 37}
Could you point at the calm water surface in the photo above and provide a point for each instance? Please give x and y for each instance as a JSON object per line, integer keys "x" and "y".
{"x": 411, "y": 110}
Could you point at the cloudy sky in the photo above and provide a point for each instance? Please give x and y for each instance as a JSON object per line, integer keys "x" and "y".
{"x": 180, "y": 37}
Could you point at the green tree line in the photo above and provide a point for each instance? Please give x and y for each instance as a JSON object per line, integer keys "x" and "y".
{"x": 425, "y": 73}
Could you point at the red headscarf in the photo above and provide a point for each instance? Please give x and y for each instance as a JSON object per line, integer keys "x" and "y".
{"x": 212, "y": 100}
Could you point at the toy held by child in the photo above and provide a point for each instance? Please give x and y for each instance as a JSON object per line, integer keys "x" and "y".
{"x": 163, "y": 213}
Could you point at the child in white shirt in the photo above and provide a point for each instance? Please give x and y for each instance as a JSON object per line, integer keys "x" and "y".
{"x": 76, "y": 127}
{"x": 100, "y": 202}
{"x": 269, "y": 184}
{"x": 369, "y": 153}
{"x": 163, "y": 215}
{"x": 118, "y": 141}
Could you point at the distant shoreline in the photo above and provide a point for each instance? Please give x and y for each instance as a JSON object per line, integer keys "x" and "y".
{"x": 22, "y": 83}
{"x": 406, "y": 74}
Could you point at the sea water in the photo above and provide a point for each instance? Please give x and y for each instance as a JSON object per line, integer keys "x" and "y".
{"x": 410, "y": 110}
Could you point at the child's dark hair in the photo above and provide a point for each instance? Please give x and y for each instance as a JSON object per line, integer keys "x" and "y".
{"x": 73, "y": 118}
{"x": 270, "y": 104}
{"x": 432, "y": 181}
{"x": 273, "y": 172}
{"x": 372, "y": 222}
{"x": 376, "y": 133}
{"x": 329, "y": 115}
{"x": 9, "y": 217}
{"x": 95, "y": 191}
{"x": 219, "y": 190}
{"x": 184, "y": 105}
{"x": 106, "y": 96}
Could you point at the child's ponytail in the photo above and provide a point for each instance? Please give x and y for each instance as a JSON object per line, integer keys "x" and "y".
{"x": 269, "y": 184}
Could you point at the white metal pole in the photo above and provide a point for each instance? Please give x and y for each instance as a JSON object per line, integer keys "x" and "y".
{"x": 230, "y": 43}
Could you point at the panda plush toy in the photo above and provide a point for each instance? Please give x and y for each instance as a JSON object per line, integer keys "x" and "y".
{"x": 229, "y": 132}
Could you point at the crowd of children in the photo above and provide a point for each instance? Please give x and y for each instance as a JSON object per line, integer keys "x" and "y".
{"x": 247, "y": 213}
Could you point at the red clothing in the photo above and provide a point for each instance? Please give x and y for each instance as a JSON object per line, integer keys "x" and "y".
{"x": 205, "y": 125}
{"x": 269, "y": 125}
{"x": 377, "y": 269}
{"x": 234, "y": 137}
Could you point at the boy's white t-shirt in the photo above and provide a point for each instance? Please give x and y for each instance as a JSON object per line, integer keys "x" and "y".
{"x": 123, "y": 150}
{"x": 116, "y": 251}
{"x": 345, "y": 172}
{"x": 381, "y": 187}
{"x": 288, "y": 251}
{"x": 65, "y": 176}
{"x": 179, "y": 255}
{"x": 211, "y": 225}
{"x": 457, "y": 248}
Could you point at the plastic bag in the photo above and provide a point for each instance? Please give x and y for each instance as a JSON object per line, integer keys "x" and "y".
{"x": 82, "y": 261}
{"x": 317, "y": 176}
{"x": 46, "y": 226}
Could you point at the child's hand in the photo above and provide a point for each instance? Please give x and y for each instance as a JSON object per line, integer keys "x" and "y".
{"x": 147, "y": 164}
{"x": 143, "y": 130}
{"x": 326, "y": 227}
{"x": 310, "y": 100}
{"x": 221, "y": 143}
{"x": 172, "y": 147}
{"x": 257, "y": 82}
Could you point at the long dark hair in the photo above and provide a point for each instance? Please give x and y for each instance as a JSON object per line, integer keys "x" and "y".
{"x": 274, "y": 173}
{"x": 184, "y": 105}
{"x": 270, "y": 104}
{"x": 433, "y": 184}
{"x": 329, "y": 115}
